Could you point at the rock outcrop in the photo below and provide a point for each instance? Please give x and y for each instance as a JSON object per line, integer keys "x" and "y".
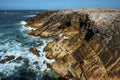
{"x": 7, "y": 58}
{"x": 34, "y": 51}
{"x": 18, "y": 58}
{"x": 86, "y": 44}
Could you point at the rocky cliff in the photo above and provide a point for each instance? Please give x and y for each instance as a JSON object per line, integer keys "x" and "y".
{"x": 86, "y": 44}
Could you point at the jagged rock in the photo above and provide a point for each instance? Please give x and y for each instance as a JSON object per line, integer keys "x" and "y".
{"x": 9, "y": 58}
{"x": 2, "y": 61}
{"x": 36, "y": 62}
{"x": 91, "y": 50}
{"x": 45, "y": 71}
{"x": 44, "y": 62}
{"x": 31, "y": 32}
{"x": 34, "y": 51}
{"x": 48, "y": 65}
{"x": 19, "y": 58}
{"x": 33, "y": 22}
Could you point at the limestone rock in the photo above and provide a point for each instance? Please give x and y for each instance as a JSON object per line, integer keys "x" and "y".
{"x": 87, "y": 46}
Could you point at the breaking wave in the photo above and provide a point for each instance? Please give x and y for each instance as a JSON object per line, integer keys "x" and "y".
{"x": 18, "y": 44}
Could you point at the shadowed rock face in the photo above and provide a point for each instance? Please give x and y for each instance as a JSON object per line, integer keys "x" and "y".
{"x": 87, "y": 46}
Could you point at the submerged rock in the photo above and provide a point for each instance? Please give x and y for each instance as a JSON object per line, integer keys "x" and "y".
{"x": 34, "y": 51}
{"x": 2, "y": 61}
{"x": 36, "y": 62}
{"x": 88, "y": 46}
{"x": 40, "y": 42}
{"x": 9, "y": 58}
{"x": 19, "y": 58}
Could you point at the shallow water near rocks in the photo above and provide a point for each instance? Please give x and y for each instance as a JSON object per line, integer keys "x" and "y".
{"x": 15, "y": 41}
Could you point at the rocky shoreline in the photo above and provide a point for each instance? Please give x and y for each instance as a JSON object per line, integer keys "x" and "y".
{"x": 86, "y": 44}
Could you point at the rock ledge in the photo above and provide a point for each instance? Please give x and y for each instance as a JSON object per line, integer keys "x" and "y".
{"x": 86, "y": 44}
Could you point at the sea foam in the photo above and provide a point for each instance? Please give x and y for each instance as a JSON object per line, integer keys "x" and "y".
{"x": 18, "y": 49}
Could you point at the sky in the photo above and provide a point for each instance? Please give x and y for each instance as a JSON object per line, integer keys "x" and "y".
{"x": 57, "y": 4}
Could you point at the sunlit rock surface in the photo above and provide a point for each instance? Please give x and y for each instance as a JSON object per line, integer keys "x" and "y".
{"x": 86, "y": 44}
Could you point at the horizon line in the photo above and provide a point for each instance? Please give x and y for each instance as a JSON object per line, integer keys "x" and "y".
{"x": 60, "y": 9}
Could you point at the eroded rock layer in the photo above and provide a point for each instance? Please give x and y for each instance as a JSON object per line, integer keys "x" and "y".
{"x": 86, "y": 44}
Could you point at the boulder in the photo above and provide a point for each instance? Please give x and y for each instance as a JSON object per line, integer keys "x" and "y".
{"x": 2, "y": 61}
{"x": 19, "y": 58}
{"x": 9, "y": 58}
{"x": 34, "y": 51}
{"x": 36, "y": 62}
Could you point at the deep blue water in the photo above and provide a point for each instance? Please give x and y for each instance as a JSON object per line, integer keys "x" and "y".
{"x": 10, "y": 24}
{"x": 14, "y": 40}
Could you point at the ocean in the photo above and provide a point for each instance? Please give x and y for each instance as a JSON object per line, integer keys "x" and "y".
{"x": 14, "y": 41}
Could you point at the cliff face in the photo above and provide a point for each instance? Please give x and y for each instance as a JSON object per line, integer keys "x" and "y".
{"x": 87, "y": 43}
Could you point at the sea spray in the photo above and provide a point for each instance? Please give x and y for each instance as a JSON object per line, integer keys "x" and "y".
{"x": 17, "y": 43}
